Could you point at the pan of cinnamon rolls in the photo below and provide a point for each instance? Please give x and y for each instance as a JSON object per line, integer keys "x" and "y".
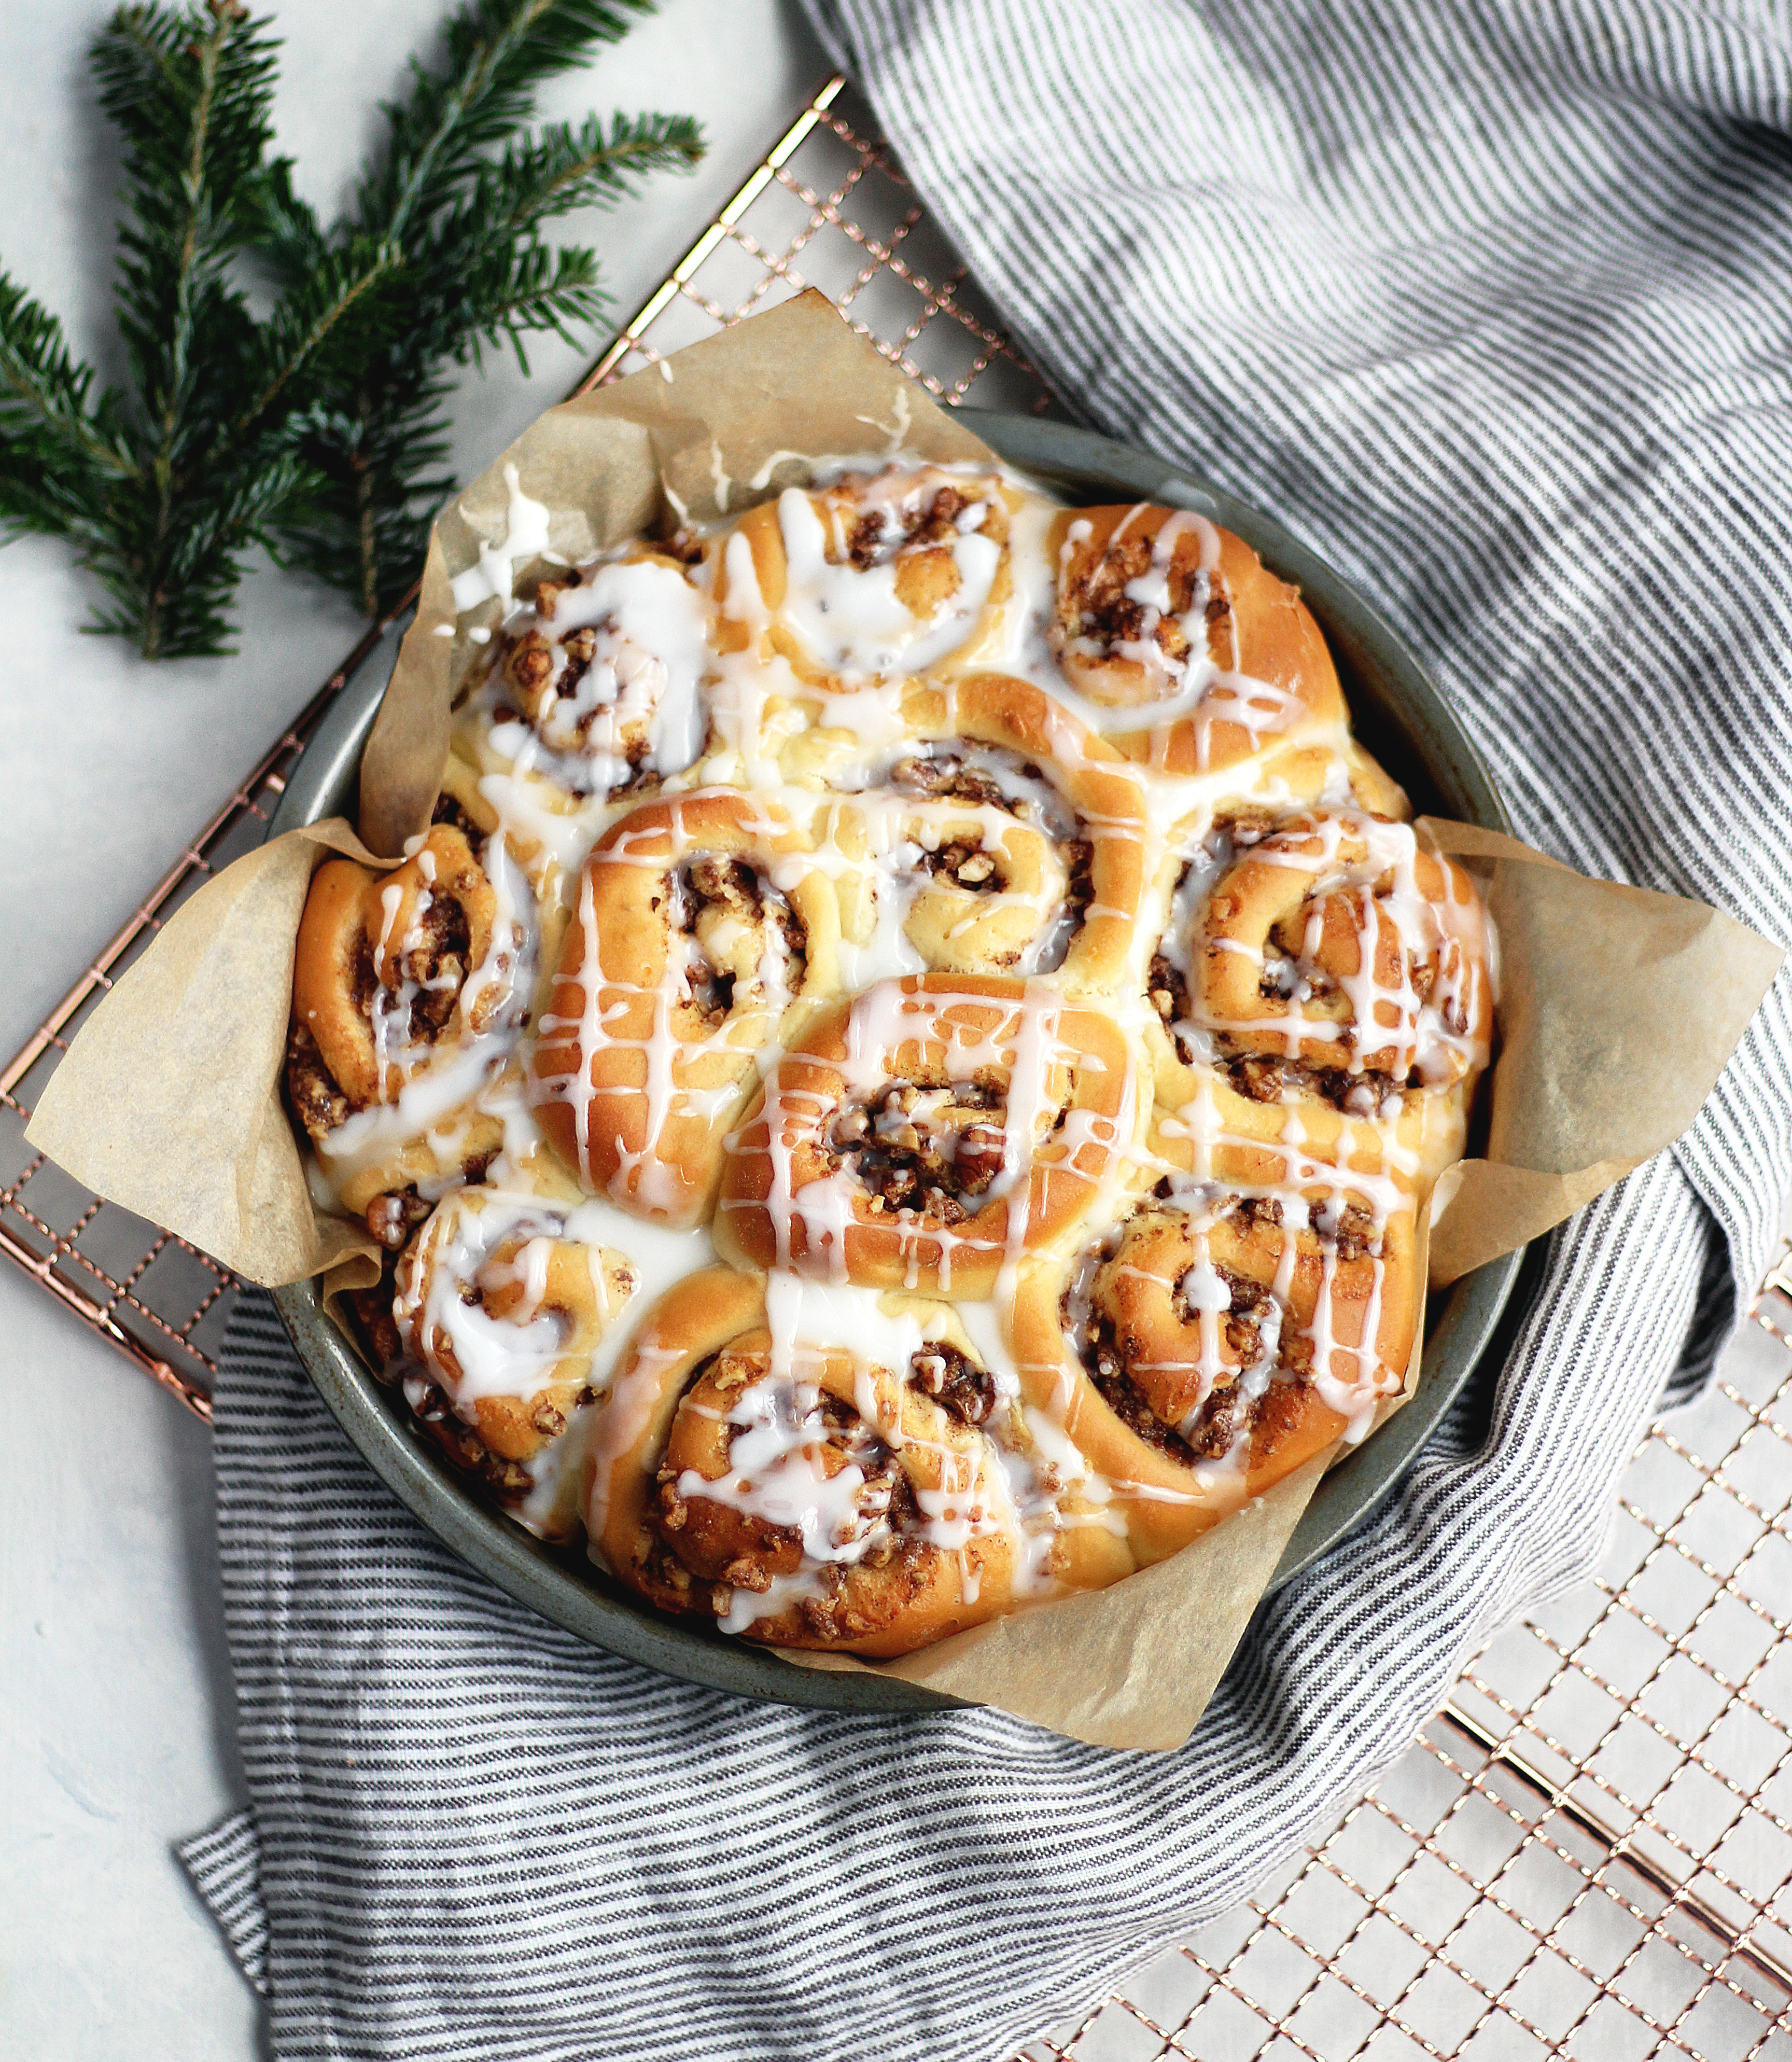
{"x": 906, "y": 1077}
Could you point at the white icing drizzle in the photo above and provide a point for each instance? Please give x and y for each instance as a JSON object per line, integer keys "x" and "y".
{"x": 438, "y": 1083}
{"x": 1003, "y": 1483}
{"x": 1196, "y": 693}
{"x": 629, "y": 656}
{"x": 1020, "y": 1043}
{"x": 1364, "y": 869}
{"x": 525, "y": 538}
{"x": 900, "y": 830}
{"x": 671, "y": 1058}
{"x": 850, "y": 619}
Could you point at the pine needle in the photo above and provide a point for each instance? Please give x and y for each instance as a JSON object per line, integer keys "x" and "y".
{"x": 319, "y": 432}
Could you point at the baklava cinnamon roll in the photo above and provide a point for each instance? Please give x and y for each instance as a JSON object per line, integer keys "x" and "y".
{"x": 873, "y": 575}
{"x": 410, "y": 990}
{"x": 697, "y": 924}
{"x": 1255, "y": 1305}
{"x": 1063, "y": 889}
{"x": 1196, "y": 656}
{"x": 1326, "y": 954}
{"x": 969, "y": 860}
{"x": 598, "y": 689}
{"x": 500, "y": 1303}
{"x": 929, "y": 1132}
{"x": 832, "y": 1469}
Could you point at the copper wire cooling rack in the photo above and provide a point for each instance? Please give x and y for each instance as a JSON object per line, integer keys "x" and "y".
{"x": 824, "y": 207}
{"x": 1589, "y": 1851}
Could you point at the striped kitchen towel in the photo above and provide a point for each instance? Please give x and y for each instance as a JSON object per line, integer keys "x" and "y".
{"x": 1494, "y": 304}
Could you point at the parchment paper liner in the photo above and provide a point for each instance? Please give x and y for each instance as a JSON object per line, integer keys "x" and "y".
{"x": 1618, "y": 1006}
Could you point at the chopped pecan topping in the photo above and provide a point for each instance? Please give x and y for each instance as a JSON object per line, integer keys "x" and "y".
{"x": 723, "y": 904}
{"x": 925, "y": 1150}
{"x": 393, "y": 1216}
{"x": 877, "y": 535}
{"x": 946, "y": 776}
{"x": 529, "y": 665}
{"x": 317, "y": 1101}
{"x": 955, "y": 1382}
{"x": 1168, "y": 990}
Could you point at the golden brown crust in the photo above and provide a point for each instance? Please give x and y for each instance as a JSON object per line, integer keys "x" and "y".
{"x": 486, "y": 1264}
{"x": 1017, "y": 716}
{"x": 1216, "y": 602}
{"x": 382, "y": 967}
{"x": 399, "y": 945}
{"x": 890, "y": 546}
{"x": 698, "y": 924}
{"x": 1252, "y": 1307}
{"x": 926, "y": 1133}
{"x": 576, "y": 688}
{"x": 814, "y": 1494}
{"x": 1326, "y": 956}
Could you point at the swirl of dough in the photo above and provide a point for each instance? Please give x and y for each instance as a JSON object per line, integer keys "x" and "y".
{"x": 598, "y": 688}
{"x": 698, "y": 923}
{"x": 1188, "y": 652}
{"x": 500, "y": 1302}
{"x": 833, "y": 1469}
{"x": 1255, "y": 1304}
{"x": 927, "y": 1132}
{"x": 1331, "y": 942}
{"x": 411, "y": 989}
{"x": 873, "y": 575}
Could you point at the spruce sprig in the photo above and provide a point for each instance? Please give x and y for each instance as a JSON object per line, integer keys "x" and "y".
{"x": 318, "y": 432}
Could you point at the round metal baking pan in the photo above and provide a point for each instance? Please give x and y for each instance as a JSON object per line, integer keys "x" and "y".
{"x": 1400, "y": 716}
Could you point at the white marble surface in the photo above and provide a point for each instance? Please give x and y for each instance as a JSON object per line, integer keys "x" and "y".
{"x": 116, "y": 1727}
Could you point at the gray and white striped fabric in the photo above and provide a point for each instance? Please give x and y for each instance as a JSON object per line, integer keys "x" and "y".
{"x": 1494, "y": 304}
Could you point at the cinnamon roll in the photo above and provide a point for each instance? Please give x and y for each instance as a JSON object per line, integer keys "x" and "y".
{"x": 1255, "y": 1306}
{"x": 698, "y": 923}
{"x": 500, "y": 1302}
{"x": 410, "y": 990}
{"x": 597, "y": 689}
{"x": 972, "y": 863}
{"x": 832, "y": 1469}
{"x": 1324, "y": 953}
{"x": 1195, "y": 657}
{"x": 1036, "y": 752}
{"x": 927, "y": 1133}
{"x": 872, "y": 575}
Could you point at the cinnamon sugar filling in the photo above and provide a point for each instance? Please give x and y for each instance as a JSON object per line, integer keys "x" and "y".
{"x": 930, "y": 1150}
{"x": 715, "y": 901}
{"x": 701, "y": 1549}
{"x": 873, "y": 539}
{"x": 944, "y": 772}
{"x": 1098, "y": 604}
{"x": 1231, "y": 1409}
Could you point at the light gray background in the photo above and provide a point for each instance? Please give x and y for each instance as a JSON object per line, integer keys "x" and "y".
{"x": 117, "y": 1736}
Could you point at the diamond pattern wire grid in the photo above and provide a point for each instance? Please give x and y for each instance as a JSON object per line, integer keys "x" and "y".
{"x": 158, "y": 1298}
{"x": 1588, "y": 1852}
{"x": 828, "y": 207}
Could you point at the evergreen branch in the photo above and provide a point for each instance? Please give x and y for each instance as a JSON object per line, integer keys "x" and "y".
{"x": 564, "y": 168}
{"x": 301, "y": 326}
{"x": 521, "y": 290}
{"x": 319, "y": 433}
{"x": 191, "y": 91}
{"x": 499, "y": 52}
{"x": 43, "y": 392}
{"x": 284, "y": 229}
